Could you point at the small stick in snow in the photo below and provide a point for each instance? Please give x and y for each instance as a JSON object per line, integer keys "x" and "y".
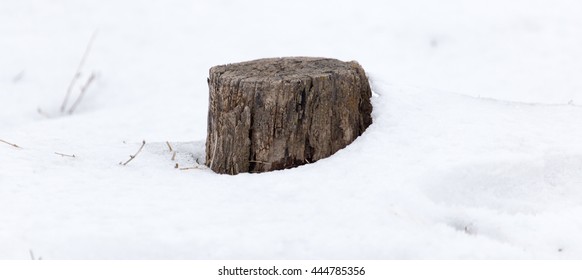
{"x": 78, "y": 72}
{"x": 169, "y": 146}
{"x": 174, "y": 156}
{"x": 82, "y": 93}
{"x": 32, "y": 256}
{"x": 131, "y": 157}
{"x": 11, "y": 144}
{"x": 176, "y": 166}
{"x": 189, "y": 168}
{"x": 65, "y": 155}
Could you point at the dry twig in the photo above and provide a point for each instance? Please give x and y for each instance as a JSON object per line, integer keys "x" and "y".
{"x": 65, "y": 155}
{"x": 82, "y": 93}
{"x": 78, "y": 72}
{"x": 131, "y": 157}
{"x": 169, "y": 146}
{"x": 32, "y": 256}
{"x": 174, "y": 156}
{"x": 11, "y": 144}
{"x": 192, "y": 167}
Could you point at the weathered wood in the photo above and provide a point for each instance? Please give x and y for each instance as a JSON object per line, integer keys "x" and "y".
{"x": 278, "y": 113}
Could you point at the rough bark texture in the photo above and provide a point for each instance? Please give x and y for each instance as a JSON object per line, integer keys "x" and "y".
{"x": 278, "y": 113}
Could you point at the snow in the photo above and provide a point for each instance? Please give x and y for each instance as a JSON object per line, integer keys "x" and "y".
{"x": 474, "y": 151}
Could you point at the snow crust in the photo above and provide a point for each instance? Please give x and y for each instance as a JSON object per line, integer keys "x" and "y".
{"x": 475, "y": 150}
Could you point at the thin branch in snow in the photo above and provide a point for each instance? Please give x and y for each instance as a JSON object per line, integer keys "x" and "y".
{"x": 169, "y": 146}
{"x": 82, "y": 93}
{"x": 32, "y": 256}
{"x": 131, "y": 157}
{"x": 190, "y": 168}
{"x": 65, "y": 155}
{"x": 176, "y": 166}
{"x": 174, "y": 156}
{"x": 78, "y": 72}
{"x": 11, "y": 144}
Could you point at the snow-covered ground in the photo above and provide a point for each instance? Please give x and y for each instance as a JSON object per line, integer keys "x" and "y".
{"x": 475, "y": 150}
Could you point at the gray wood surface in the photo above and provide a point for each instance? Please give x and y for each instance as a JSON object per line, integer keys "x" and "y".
{"x": 278, "y": 113}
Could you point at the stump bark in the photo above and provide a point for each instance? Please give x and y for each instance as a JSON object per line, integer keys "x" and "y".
{"x": 277, "y": 113}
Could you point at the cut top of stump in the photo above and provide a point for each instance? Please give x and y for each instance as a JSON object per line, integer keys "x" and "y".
{"x": 285, "y": 68}
{"x": 277, "y": 113}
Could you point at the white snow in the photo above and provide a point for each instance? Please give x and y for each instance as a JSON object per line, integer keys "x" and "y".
{"x": 475, "y": 150}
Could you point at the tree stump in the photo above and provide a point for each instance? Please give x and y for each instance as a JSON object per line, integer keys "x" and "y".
{"x": 277, "y": 113}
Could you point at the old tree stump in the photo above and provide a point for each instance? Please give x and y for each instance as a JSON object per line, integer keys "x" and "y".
{"x": 278, "y": 113}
